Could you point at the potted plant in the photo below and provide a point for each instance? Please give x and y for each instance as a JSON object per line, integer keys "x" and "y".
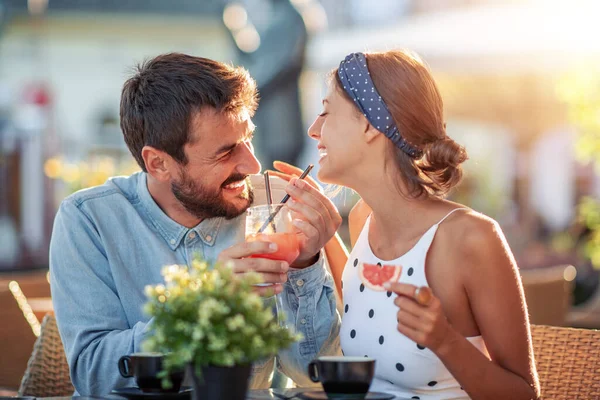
{"x": 210, "y": 321}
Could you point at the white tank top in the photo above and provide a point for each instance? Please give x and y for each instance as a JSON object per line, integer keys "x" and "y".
{"x": 369, "y": 327}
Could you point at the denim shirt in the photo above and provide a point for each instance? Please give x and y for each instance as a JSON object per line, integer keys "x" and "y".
{"x": 110, "y": 241}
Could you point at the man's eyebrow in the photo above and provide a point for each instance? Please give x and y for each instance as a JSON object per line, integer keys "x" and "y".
{"x": 324, "y": 101}
{"x": 226, "y": 148}
{"x": 231, "y": 146}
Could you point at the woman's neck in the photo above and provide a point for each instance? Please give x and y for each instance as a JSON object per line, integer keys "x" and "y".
{"x": 396, "y": 216}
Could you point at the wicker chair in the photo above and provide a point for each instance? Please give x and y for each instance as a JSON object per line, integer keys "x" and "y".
{"x": 47, "y": 373}
{"x": 16, "y": 339}
{"x": 548, "y": 294}
{"x": 568, "y": 362}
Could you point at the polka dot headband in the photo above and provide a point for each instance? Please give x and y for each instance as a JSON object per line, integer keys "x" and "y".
{"x": 356, "y": 81}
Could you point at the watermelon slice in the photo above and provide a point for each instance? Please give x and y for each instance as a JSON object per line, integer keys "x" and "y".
{"x": 375, "y": 275}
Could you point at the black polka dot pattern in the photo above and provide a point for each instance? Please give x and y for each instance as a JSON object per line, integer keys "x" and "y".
{"x": 396, "y": 353}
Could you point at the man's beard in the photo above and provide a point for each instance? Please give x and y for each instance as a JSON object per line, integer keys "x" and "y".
{"x": 203, "y": 203}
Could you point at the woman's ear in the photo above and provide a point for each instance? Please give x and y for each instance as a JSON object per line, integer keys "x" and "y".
{"x": 370, "y": 133}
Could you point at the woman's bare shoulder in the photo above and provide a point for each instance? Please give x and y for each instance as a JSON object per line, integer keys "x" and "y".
{"x": 472, "y": 233}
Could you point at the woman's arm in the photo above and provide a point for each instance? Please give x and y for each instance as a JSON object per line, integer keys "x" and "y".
{"x": 337, "y": 255}
{"x": 494, "y": 290}
{"x": 356, "y": 220}
{"x": 497, "y": 302}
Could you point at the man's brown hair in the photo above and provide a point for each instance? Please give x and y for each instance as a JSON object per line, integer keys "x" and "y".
{"x": 159, "y": 101}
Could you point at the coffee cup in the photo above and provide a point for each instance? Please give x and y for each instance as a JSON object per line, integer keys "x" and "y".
{"x": 145, "y": 367}
{"x": 343, "y": 375}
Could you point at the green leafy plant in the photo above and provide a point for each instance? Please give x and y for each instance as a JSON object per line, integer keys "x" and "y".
{"x": 207, "y": 316}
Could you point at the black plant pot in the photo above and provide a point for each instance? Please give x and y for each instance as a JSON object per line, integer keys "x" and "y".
{"x": 219, "y": 383}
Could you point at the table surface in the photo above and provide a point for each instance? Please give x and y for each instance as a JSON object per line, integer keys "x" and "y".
{"x": 268, "y": 394}
{"x": 252, "y": 395}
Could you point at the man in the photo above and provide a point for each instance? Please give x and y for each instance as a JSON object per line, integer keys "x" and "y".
{"x": 186, "y": 120}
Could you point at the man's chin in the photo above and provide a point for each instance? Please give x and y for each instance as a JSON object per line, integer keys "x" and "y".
{"x": 238, "y": 204}
{"x": 237, "y": 207}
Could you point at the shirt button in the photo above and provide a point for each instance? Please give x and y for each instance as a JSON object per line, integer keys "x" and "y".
{"x": 208, "y": 238}
{"x": 192, "y": 235}
{"x": 303, "y": 321}
{"x": 172, "y": 241}
{"x": 300, "y": 282}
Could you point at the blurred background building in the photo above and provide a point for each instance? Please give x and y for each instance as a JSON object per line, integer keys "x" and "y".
{"x": 519, "y": 79}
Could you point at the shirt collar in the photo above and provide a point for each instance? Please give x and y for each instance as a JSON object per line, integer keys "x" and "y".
{"x": 172, "y": 232}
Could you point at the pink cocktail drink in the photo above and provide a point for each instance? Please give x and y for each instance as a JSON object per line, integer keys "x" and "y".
{"x": 287, "y": 245}
{"x": 273, "y": 223}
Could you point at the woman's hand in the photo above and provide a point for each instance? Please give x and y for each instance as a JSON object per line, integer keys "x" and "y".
{"x": 421, "y": 317}
{"x": 287, "y": 171}
{"x": 315, "y": 216}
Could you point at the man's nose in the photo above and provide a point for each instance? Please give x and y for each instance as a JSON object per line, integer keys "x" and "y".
{"x": 249, "y": 163}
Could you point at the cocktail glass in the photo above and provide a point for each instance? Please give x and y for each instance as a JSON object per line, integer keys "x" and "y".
{"x": 280, "y": 231}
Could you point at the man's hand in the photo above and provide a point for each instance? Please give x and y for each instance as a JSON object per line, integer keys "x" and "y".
{"x": 273, "y": 272}
{"x": 315, "y": 216}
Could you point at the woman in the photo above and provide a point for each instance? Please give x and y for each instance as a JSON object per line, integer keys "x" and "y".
{"x": 382, "y": 133}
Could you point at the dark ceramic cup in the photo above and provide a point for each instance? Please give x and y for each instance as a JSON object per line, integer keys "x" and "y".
{"x": 144, "y": 367}
{"x": 343, "y": 375}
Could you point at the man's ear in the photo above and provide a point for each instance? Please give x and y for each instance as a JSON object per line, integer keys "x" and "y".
{"x": 157, "y": 163}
